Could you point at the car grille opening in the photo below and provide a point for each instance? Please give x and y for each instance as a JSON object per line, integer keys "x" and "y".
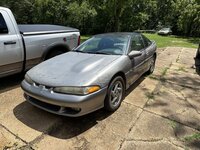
{"x": 54, "y": 108}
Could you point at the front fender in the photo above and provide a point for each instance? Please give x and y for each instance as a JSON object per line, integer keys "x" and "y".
{"x": 121, "y": 65}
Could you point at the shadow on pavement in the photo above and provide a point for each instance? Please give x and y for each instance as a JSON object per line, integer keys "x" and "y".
{"x": 60, "y": 126}
{"x": 10, "y": 82}
{"x": 57, "y": 126}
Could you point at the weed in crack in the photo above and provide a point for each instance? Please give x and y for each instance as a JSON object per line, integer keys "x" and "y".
{"x": 182, "y": 69}
{"x": 193, "y": 137}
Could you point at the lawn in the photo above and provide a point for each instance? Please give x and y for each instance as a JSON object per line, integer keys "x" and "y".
{"x": 165, "y": 41}
{"x": 174, "y": 41}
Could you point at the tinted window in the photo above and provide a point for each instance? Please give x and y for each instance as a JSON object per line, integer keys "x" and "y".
{"x": 147, "y": 42}
{"x": 3, "y": 27}
{"x": 137, "y": 43}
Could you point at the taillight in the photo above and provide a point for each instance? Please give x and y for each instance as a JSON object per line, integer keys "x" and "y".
{"x": 79, "y": 40}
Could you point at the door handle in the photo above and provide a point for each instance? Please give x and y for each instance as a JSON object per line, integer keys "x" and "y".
{"x": 10, "y": 42}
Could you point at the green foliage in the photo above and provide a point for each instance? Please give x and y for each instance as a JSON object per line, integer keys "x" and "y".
{"x": 95, "y": 16}
{"x": 193, "y": 137}
{"x": 81, "y": 16}
{"x": 189, "y": 19}
{"x": 23, "y": 9}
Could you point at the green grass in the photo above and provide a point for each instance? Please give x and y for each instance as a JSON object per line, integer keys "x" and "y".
{"x": 84, "y": 37}
{"x": 166, "y": 41}
{"x": 173, "y": 41}
{"x": 182, "y": 69}
{"x": 173, "y": 124}
{"x": 150, "y": 95}
{"x": 193, "y": 137}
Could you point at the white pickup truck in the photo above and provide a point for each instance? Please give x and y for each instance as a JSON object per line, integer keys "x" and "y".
{"x": 23, "y": 46}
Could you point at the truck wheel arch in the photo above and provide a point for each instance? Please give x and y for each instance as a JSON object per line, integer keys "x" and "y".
{"x": 55, "y": 48}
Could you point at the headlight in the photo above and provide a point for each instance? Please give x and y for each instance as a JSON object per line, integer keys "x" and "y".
{"x": 77, "y": 90}
{"x": 28, "y": 79}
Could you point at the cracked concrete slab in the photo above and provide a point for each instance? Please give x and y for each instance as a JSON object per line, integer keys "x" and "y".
{"x": 139, "y": 96}
{"x": 183, "y": 78}
{"x": 169, "y": 102}
{"x": 166, "y": 103}
{"x": 187, "y": 56}
{"x": 94, "y": 131}
{"x": 9, "y": 141}
{"x": 151, "y": 127}
{"x": 154, "y": 130}
{"x": 155, "y": 145}
{"x": 23, "y": 119}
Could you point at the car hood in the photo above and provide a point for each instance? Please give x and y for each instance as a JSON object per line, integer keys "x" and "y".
{"x": 70, "y": 69}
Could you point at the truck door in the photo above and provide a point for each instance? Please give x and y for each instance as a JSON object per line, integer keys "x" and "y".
{"x": 11, "y": 48}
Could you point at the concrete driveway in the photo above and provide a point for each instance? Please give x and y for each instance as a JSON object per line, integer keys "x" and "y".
{"x": 161, "y": 111}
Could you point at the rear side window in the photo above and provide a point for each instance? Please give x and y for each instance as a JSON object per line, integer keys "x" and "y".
{"x": 3, "y": 26}
{"x": 136, "y": 43}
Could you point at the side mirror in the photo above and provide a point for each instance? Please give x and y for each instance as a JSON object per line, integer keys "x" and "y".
{"x": 134, "y": 54}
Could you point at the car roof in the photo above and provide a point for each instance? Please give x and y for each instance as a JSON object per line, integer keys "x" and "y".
{"x": 117, "y": 34}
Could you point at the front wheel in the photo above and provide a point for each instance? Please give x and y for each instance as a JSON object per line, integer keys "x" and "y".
{"x": 115, "y": 94}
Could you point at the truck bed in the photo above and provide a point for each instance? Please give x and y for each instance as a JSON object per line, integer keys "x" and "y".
{"x": 38, "y": 29}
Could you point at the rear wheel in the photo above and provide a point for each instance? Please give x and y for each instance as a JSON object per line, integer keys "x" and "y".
{"x": 54, "y": 53}
{"x": 115, "y": 94}
{"x": 152, "y": 65}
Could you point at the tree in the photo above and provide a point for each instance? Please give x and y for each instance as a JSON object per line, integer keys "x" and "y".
{"x": 81, "y": 15}
{"x": 97, "y": 16}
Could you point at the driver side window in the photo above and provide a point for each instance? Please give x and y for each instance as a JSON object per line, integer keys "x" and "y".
{"x": 136, "y": 43}
{"x": 3, "y": 26}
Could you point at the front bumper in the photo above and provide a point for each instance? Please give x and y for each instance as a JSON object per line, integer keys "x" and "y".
{"x": 63, "y": 104}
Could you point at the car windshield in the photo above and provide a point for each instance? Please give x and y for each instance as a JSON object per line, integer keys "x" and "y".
{"x": 108, "y": 45}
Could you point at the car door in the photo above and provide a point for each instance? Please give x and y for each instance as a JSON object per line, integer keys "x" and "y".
{"x": 149, "y": 49}
{"x": 11, "y": 55}
{"x": 137, "y": 62}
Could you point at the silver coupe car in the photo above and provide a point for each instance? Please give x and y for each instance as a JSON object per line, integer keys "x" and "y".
{"x": 94, "y": 75}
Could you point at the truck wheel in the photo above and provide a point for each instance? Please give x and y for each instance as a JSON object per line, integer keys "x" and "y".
{"x": 54, "y": 53}
{"x": 115, "y": 94}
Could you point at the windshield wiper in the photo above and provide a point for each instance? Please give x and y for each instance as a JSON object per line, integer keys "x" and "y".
{"x": 78, "y": 51}
{"x": 102, "y": 53}
{"x": 89, "y": 52}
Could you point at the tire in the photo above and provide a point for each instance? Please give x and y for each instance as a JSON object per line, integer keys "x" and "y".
{"x": 114, "y": 94}
{"x": 198, "y": 52}
{"x": 54, "y": 53}
{"x": 152, "y": 66}
{"x": 198, "y": 70}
